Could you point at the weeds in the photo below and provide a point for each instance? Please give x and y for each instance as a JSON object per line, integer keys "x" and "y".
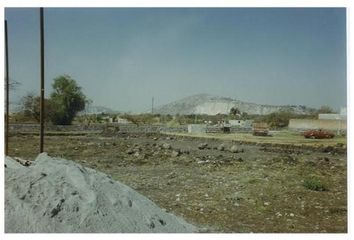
{"x": 315, "y": 184}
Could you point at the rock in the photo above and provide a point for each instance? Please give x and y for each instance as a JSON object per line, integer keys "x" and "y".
{"x": 137, "y": 149}
{"x": 291, "y": 160}
{"x": 171, "y": 175}
{"x": 234, "y": 149}
{"x": 130, "y": 151}
{"x": 202, "y": 146}
{"x": 328, "y": 149}
{"x": 221, "y": 147}
{"x": 166, "y": 146}
{"x": 186, "y": 151}
{"x": 155, "y": 139}
{"x": 175, "y": 153}
{"x": 136, "y": 154}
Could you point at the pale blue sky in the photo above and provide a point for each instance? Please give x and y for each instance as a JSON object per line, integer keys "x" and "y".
{"x": 123, "y": 57}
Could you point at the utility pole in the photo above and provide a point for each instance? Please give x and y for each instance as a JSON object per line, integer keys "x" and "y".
{"x": 7, "y": 92}
{"x": 152, "y": 105}
{"x": 42, "y": 80}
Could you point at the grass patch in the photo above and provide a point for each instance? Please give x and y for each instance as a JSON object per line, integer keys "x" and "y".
{"x": 315, "y": 184}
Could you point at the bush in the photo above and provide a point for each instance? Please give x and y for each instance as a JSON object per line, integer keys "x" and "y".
{"x": 30, "y": 107}
{"x": 315, "y": 184}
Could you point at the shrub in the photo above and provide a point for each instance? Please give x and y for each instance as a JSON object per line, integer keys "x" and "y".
{"x": 315, "y": 184}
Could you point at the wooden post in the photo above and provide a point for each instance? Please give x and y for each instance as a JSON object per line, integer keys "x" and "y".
{"x": 42, "y": 80}
{"x": 7, "y": 92}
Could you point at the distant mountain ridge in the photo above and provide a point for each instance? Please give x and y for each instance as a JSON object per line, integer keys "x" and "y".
{"x": 97, "y": 110}
{"x": 212, "y": 105}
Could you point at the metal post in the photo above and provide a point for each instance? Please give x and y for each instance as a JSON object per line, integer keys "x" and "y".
{"x": 42, "y": 80}
{"x": 7, "y": 92}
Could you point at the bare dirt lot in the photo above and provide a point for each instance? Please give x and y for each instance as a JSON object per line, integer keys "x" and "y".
{"x": 217, "y": 184}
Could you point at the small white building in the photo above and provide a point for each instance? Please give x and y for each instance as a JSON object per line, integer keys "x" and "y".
{"x": 236, "y": 122}
{"x": 241, "y": 123}
{"x": 122, "y": 120}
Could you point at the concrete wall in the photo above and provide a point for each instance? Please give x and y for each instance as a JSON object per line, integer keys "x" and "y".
{"x": 196, "y": 128}
{"x": 327, "y": 124}
{"x": 332, "y": 116}
{"x": 233, "y": 129}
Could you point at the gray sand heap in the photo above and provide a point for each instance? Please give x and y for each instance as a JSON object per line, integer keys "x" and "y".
{"x": 57, "y": 195}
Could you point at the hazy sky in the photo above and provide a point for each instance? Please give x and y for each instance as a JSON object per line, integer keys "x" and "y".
{"x": 123, "y": 57}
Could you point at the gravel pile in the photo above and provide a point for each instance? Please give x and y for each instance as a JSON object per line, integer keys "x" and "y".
{"x": 55, "y": 195}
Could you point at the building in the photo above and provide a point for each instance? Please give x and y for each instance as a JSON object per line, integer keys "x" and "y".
{"x": 334, "y": 116}
{"x": 122, "y": 120}
{"x": 332, "y": 122}
{"x": 241, "y": 123}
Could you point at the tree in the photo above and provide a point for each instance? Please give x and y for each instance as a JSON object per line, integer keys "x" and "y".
{"x": 234, "y": 111}
{"x": 325, "y": 109}
{"x": 13, "y": 84}
{"x": 30, "y": 106}
{"x": 67, "y": 100}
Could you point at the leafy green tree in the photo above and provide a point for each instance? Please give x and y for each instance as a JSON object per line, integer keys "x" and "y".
{"x": 67, "y": 100}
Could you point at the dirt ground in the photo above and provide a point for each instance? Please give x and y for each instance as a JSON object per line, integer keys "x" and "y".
{"x": 219, "y": 185}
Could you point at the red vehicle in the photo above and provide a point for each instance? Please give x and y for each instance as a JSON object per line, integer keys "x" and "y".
{"x": 318, "y": 134}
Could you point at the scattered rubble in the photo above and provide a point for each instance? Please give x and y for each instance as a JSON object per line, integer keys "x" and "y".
{"x": 202, "y": 146}
{"x": 166, "y": 146}
{"x": 235, "y": 149}
{"x": 221, "y": 147}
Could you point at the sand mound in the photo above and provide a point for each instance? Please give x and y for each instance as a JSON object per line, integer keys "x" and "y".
{"x": 57, "y": 195}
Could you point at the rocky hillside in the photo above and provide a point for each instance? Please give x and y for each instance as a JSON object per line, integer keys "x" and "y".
{"x": 211, "y": 105}
{"x": 97, "y": 110}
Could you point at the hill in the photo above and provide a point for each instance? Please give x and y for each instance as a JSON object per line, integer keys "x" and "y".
{"x": 212, "y": 105}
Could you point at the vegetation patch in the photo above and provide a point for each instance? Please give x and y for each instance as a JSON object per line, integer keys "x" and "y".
{"x": 315, "y": 184}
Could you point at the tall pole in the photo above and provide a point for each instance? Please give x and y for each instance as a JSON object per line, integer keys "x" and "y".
{"x": 7, "y": 92}
{"x": 42, "y": 80}
{"x": 152, "y": 105}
